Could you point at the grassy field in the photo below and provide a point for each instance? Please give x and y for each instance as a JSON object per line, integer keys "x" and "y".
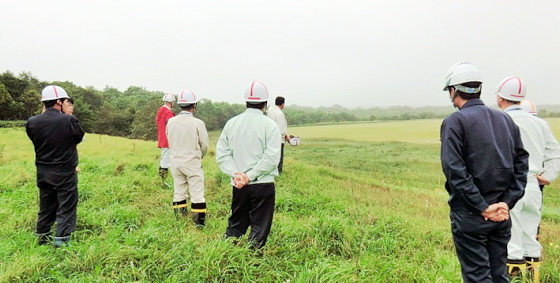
{"x": 356, "y": 203}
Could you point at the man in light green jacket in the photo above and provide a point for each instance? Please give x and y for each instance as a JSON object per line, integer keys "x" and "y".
{"x": 248, "y": 150}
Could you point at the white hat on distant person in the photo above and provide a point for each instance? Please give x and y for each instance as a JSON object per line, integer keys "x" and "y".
{"x": 168, "y": 97}
{"x": 529, "y": 107}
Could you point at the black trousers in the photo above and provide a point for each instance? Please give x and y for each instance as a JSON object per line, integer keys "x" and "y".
{"x": 281, "y": 163}
{"x": 58, "y": 201}
{"x": 252, "y": 205}
{"x": 481, "y": 246}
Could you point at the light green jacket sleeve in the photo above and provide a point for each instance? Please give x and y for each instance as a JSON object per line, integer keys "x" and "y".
{"x": 224, "y": 154}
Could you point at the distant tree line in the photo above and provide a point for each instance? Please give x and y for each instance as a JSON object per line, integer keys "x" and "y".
{"x": 131, "y": 113}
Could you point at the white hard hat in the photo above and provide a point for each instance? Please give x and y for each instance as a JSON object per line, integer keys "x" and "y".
{"x": 53, "y": 92}
{"x": 511, "y": 88}
{"x": 168, "y": 97}
{"x": 186, "y": 97}
{"x": 462, "y": 72}
{"x": 256, "y": 92}
{"x": 529, "y": 106}
{"x": 294, "y": 141}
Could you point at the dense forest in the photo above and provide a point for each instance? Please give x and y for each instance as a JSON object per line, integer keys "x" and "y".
{"x": 131, "y": 113}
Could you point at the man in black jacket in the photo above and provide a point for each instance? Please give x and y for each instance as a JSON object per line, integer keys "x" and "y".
{"x": 485, "y": 165}
{"x": 55, "y": 136}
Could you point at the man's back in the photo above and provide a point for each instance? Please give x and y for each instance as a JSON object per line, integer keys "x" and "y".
{"x": 276, "y": 114}
{"x": 188, "y": 138}
{"x": 538, "y": 141}
{"x": 55, "y": 136}
{"x": 249, "y": 141}
{"x": 480, "y": 147}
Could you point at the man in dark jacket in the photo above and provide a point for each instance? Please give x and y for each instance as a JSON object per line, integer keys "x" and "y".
{"x": 55, "y": 136}
{"x": 485, "y": 165}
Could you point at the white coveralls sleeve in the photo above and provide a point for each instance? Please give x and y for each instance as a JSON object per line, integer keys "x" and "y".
{"x": 270, "y": 158}
{"x": 551, "y": 156}
{"x": 224, "y": 154}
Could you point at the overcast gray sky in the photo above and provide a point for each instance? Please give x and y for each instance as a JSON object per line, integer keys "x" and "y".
{"x": 314, "y": 53}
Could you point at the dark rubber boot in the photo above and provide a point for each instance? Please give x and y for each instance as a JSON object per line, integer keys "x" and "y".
{"x": 163, "y": 172}
{"x": 199, "y": 213}
{"x": 44, "y": 238}
{"x": 61, "y": 241}
{"x": 180, "y": 208}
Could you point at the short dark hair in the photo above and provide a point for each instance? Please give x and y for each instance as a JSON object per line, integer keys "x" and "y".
{"x": 512, "y": 102}
{"x": 188, "y": 106}
{"x": 467, "y": 96}
{"x": 49, "y": 103}
{"x": 279, "y": 100}
{"x": 256, "y": 105}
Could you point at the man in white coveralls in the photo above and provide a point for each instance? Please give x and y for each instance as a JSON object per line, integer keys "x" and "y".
{"x": 524, "y": 251}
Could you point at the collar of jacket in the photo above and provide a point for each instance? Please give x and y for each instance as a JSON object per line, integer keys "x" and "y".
{"x": 472, "y": 102}
{"x": 513, "y": 107}
{"x": 254, "y": 110}
{"x": 52, "y": 109}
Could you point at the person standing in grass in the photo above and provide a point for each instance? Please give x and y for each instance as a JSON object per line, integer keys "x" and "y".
{"x": 55, "y": 136}
{"x": 524, "y": 250}
{"x": 188, "y": 142}
{"x": 163, "y": 115}
{"x": 248, "y": 150}
{"x": 275, "y": 113}
{"x": 485, "y": 166}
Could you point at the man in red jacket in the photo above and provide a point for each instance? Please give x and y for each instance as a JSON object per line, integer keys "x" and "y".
{"x": 163, "y": 115}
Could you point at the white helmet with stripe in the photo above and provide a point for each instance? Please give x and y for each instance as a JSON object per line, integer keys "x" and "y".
{"x": 256, "y": 92}
{"x": 53, "y": 92}
{"x": 511, "y": 88}
{"x": 168, "y": 97}
{"x": 529, "y": 106}
{"x": 186, "y": 97}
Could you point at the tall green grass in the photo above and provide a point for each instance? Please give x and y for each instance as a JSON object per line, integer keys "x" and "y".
{"x": 347, "y": 211}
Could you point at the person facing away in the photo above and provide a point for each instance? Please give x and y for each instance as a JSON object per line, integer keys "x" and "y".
{"x": 485, "y": 166}
{"x": 248, "y": 150}
{"x": 275, "y": 113}
{"x": 188, "y": 142}
{"x": 524, "y": 251}
{"x": 163, "y": 115}
{"x": 54, "y": 136}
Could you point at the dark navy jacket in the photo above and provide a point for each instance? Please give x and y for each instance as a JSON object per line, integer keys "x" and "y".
{"x": 55, "y": 136}
{"x": 482, "y": 158}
